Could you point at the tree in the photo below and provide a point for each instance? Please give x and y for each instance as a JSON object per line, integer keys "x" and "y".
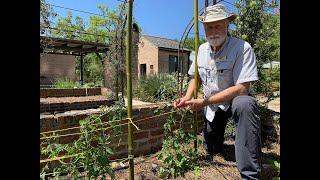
{"x": 100, "y": 29}
{"x": 189, "y": 43}
{"x": 46, "y": 12}
{"x": 259, "y": 26}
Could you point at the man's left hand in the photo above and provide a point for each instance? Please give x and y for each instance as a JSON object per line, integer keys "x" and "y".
{"x": 195, "y": 104}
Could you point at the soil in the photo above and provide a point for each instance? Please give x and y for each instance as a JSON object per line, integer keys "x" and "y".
{"x": 84, "y": 99}
{"x": 223, "y": 166}
{"x": 71, "y": 99}
{"x": 274, "y": 105}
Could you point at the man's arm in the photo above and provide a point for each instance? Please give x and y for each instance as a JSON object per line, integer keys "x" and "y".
{"x": 191, "y": 87}
{"x": 188, "y": 96}
{"x": 223, "y": 96}
{"x": 228, "y": 94}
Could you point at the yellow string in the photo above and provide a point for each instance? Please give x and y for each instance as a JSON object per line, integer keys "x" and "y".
{"x": 73, "y": 155}
{"x": 59, "y": 158}
{"x": 143, "y": 119}
{"x": 130, "y": 119}
{"x": 77, "y": 127}
{"x": 50, "y": 137}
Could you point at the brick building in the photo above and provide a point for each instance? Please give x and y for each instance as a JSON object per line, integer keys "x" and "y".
{"x": 160, "y": 55}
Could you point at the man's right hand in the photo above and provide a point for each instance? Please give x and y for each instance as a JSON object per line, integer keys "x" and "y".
{"x": 180, "y": 103}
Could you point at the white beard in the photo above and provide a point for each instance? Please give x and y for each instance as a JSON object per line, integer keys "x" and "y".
{"x": 216, "y": 40}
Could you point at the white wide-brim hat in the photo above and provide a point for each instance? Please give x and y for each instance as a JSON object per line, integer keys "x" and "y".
{"x": 216, "y": 12}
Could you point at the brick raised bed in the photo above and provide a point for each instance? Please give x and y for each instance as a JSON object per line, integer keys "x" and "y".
{"x": 45, "y": 93}
{"x": 67, "y": 104}
{"x": 146, "y": 140}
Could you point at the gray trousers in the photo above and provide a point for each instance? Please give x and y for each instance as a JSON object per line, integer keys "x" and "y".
{"x": 244, "y": 110}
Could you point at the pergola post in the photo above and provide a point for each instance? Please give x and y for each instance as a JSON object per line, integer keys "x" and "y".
{"x": 81, "y": 69}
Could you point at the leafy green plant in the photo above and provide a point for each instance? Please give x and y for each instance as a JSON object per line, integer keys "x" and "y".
{"x": 177, "y": 153}
{"x": 93, "y": 84}
{"x": 91, "y": 148}
{"x": 65, "y": 83}
{"x": 276, "y": 165}
{"x": 230, "y": 129}
{"x": 159, "y": 87}
{"x": 273, "y": 78}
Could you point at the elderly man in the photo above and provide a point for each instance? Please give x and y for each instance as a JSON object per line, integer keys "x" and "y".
{"x": 227, "y": 67}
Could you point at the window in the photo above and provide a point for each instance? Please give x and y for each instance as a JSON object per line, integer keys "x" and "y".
{"x": 173, "y": 63}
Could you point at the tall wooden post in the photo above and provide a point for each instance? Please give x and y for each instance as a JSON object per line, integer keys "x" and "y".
{"x": 195, "y": 92}
{"x": 129, "y": 89}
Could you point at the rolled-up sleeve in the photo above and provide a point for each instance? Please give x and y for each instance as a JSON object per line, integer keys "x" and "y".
{"x": 245, "y": 68}
{"x": 191, "y": 69}
{"x": 200, "y": 52}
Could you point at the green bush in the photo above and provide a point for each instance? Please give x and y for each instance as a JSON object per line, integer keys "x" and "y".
{"x": 158, "y": 87}
{"x": 93, "y": 84}
{"x": 269, "y": 81}
{"x": 65, "y": 83}
{"x": 274, "y": 76}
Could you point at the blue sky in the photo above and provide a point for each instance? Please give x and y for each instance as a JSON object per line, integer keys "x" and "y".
{"x": 164, "y": 18}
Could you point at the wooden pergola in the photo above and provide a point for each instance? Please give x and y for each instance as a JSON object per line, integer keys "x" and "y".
{"x": 72, "y": 47}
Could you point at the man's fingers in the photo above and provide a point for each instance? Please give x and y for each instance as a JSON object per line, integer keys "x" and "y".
{"x": 190, "y": 102}
{"x": 180, "y": 103}
{"x": 177, "y": 103}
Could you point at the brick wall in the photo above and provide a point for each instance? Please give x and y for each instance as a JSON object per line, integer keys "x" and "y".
{"x": 146, "y": 140}
{"x": 134, "y": 60}
{"x": 164, "y": 61}
{"x": 56, "y": 66}
{"x": 148, "y": 54}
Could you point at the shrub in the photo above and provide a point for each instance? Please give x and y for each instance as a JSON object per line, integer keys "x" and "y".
{"x": 159, "y": 87}
{"x": 65, "y": 83}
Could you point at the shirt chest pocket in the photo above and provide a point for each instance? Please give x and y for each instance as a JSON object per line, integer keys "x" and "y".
{"x": 203, "y": 73}
{"x": 224, "y": 73}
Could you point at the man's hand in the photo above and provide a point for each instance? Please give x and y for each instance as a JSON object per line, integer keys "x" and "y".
{"x": 195, "y": 104}
{"x": 180, "y": 103}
